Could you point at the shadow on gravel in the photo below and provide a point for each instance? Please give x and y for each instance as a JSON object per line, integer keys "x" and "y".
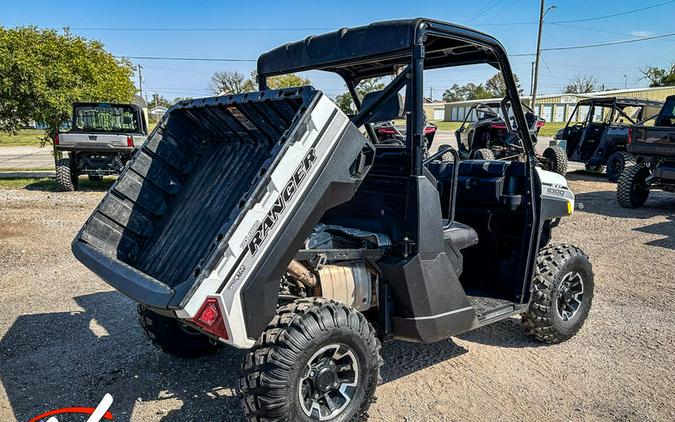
{"x": 402, "y": 358}
{"x": 659, "y": 203}
{"x": 505, "y": 333}
{"x": 66, "y": 359}
{"x": 84, "y": 185}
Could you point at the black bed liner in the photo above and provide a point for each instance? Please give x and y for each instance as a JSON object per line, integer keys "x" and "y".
{"x": 185, "y": 188}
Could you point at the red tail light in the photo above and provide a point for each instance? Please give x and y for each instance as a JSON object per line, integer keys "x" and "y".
{"x": 498, "y": 126}
{"x": 386, "y": 131}
{"x": 210, "y": 318}
{"x": 540, "y": 123}
{"x": 630, "y": 135}
{"x": 130, "y": 141}
{"x": 56, "y": 139}
{"x": 429, "y": 129}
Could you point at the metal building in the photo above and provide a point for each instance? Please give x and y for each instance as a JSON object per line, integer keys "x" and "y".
{"x": 551, "y": 107}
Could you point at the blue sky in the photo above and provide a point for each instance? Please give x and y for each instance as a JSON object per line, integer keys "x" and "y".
{"x": 295, "y": 20}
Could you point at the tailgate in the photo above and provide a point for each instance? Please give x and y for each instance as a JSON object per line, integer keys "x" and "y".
{"x": 99, "y": 141}
{"x": 223, "y": 184}
{"x": 655, "y": 141}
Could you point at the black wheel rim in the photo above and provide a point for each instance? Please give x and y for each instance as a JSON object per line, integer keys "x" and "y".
{"x": 570, "y": 295}
{"x": 617, "y": 166}
{"x": 328, "y": 382}
{"x": 640, "y": 188}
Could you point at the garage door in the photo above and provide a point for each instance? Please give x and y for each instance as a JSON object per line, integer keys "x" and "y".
{"x": 439, "y": 114}
{"x": 547, "y": 112}
{"x": 559, "y": 115}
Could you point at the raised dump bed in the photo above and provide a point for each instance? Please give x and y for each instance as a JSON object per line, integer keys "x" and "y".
{"x": 181, "y": 198}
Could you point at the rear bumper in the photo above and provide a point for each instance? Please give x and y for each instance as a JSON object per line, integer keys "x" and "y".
{"x": 87, "y": 147}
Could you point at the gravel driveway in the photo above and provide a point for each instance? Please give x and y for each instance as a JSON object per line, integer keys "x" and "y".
{"x": 66, "y": 338}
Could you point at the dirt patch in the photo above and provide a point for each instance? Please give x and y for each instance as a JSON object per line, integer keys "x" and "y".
{"x": 67, "y": 339}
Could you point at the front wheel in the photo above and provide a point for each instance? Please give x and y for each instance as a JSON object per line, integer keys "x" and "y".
{"x": 483, "y": 154}
{"x": 555, "y": 160}
{"x": 561, "y": 294}
{"x": 632, "y": 189}
{"x": 317, "y": 360}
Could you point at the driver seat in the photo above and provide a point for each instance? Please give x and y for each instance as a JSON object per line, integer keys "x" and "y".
{"x": 460, "y": 235}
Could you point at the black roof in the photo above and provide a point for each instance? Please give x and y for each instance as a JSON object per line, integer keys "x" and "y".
{"x": 621, "y": 102}
{"x": 378, "y": 48}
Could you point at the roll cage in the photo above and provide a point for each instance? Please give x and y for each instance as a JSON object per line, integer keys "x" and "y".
{"x": 402, "y": 47}
{"x": 617, "y": 106}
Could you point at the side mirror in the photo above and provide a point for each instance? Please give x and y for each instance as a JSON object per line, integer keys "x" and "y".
{"x": 389, "y": 108}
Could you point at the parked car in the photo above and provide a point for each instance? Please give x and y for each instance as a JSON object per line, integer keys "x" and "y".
{"x": 655, "y": 146}
{"x": 599, "y": 137}
{"x": 268, "y": 221}
{"x": 101, "y": 140}
{"x": 484, "y": 135}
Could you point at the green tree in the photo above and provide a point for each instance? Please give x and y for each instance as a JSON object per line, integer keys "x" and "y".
{"x": 158, "y": 100}
{"x": 42, "y": 72}
{"x": 496, "y": 86}
{"x": 286, "y": 81}
{"x": 345, "y": 101}
{"x": 658, "y": 76}
{"x": 233, "y": 82}
{"x": 466, "y": 92}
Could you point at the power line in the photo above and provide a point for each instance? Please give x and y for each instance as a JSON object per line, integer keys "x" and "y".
{"x": 605, "y": 44}
{"x": 616, "y": 14}
{"x": 221, "y": 29}
{"x": 574, "y": 47}
{"x": 193, "y": 59}
{"x": 481, "y": 12}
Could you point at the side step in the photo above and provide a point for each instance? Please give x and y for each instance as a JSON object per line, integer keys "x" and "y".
{"x": 490, "y": 309}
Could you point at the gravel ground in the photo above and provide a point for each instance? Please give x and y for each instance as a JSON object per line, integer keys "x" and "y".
{"x": 66, "y": 338}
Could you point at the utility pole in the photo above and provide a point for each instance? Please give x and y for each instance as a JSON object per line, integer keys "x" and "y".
{"x": 531, "y": 80}
{"x": 431, "y": 93}
{"x": 140, "y": 80}
{"x": 625, "y": 81}
{"x": 537, "y": 58}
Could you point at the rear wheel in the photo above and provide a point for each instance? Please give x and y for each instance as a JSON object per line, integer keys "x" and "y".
{"x": 66, "y": 175}
{"x": 317, "y": 360}
{"x": 632, "y": 189}
{"x": 172, "y": 336}
{"x": 617, "y": 162}
{"x": 562, "y": 293}
{"x": 483, "y": 154}
{"x": 555, "y": 160}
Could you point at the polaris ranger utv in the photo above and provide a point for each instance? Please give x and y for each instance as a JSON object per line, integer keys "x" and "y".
{"x": 100, "y": 142}
{"x": 268, "y": 221}
{"x": 600, "y": 139}
{"x": 486, "y": 137}
{"x": 655, "y": 146}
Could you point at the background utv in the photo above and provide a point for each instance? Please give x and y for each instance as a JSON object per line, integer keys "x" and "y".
{"x": 268, "y": 221}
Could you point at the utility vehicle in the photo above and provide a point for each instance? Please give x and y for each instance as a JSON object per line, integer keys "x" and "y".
{"x": 388, "y": 132}
{"x": 597, "y": 132}
{"x": 268, "y": 221}
{"x": 101, "y": 140}
{"x": 655, "y": 146}
{"x": 484, "y": 135}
